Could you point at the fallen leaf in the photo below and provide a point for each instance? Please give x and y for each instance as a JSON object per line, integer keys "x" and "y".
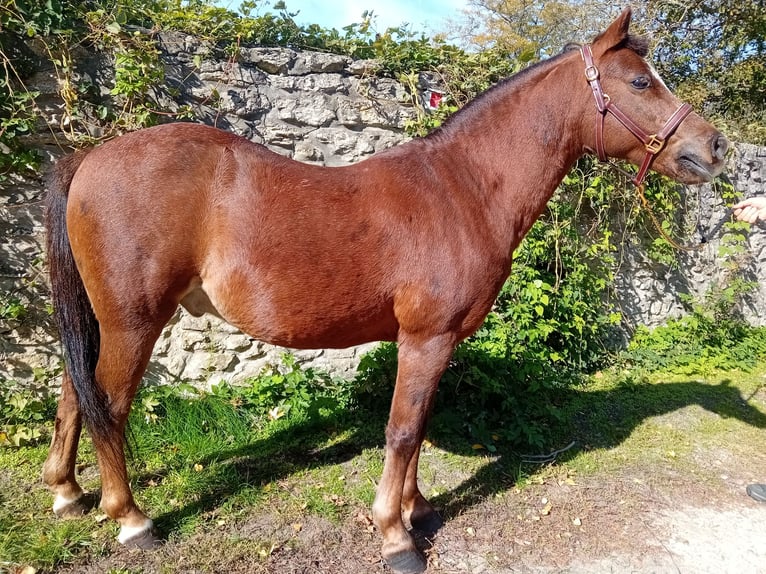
{"x": 577, "y": 522}
{"x": 546, "y": 509}
{"x": 198, "y": 467}
{"x": 470, "y": 531}
{"x": 363, "y": 518}
{"x": 335, "y": 499}
{"x": 297, "y": 527}
{"x": 522, "y": 542}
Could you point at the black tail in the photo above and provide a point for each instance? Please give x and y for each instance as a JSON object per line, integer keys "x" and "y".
{"x": 76, "y": 322}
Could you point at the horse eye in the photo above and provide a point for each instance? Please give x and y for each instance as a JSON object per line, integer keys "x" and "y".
{"x": 641, "y": 83}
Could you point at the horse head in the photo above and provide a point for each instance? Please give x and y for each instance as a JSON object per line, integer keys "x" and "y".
{"x": 637, "y": 118}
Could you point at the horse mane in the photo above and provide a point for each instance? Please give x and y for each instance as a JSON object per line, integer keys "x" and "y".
{"x": 639, "y": 44}
{"x": 487, "y": 97}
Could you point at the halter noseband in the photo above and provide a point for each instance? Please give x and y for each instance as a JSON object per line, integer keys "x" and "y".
{"x": 653, "y": 142}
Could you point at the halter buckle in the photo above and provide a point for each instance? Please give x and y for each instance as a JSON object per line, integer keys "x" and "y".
{"x": 655, "y": 144}
{"x": 591, "y": 73}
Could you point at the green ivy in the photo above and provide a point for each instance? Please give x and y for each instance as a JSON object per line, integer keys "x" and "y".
{"x": 709, "y": 337}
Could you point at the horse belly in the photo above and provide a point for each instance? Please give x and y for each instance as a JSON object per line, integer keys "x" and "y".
{"x": 299, "y": 319}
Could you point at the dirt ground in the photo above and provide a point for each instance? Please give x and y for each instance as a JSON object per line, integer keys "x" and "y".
{"x": 651, "y": 519}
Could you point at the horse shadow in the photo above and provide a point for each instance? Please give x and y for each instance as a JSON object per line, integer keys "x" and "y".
{"x": 600, "y": 419}
{"x": 617, "y": 413}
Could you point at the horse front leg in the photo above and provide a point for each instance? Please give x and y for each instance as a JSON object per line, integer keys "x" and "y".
{"x": 422, "y": 361}
{"x": 59, "y": 467}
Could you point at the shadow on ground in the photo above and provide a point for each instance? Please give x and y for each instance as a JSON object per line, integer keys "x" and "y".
{"x": 594, "y": 420}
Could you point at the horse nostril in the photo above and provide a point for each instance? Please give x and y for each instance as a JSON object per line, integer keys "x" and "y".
{"x": 720, "y": 145}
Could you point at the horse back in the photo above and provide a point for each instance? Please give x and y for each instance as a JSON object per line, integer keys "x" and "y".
{"x": 293, "y": 254}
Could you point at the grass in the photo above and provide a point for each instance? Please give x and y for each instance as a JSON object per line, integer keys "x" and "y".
{"x": 203, "y": 464}
{"x": 669, "y": 431}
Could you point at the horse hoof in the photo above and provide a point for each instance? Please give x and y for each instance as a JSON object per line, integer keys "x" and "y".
{"x": 73, "y": 509}
{"x": 146, "y": 540}
{"x": 407, "y": 562}
{"x": 428, "y": 523}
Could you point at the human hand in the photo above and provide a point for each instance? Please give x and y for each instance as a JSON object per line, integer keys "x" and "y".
{"x": 751, "y": 209}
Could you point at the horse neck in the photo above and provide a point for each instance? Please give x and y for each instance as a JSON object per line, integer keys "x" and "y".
{"x": 518, "y": 142}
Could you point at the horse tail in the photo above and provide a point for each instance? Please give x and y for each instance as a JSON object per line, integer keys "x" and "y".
{"x": 73, "y": 315}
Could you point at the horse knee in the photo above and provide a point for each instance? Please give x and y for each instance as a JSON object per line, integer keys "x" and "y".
{"x": 402, "y": 440}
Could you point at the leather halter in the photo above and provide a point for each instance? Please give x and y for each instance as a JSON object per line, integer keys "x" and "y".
{"x": 654, "y": 143}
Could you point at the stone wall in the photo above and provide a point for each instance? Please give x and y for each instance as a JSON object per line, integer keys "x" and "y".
{"x": 649, "y": 293}
{"x": 314, "y": 107}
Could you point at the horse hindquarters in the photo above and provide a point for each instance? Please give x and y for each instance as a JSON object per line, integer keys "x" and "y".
{"x": 103, "y": 367}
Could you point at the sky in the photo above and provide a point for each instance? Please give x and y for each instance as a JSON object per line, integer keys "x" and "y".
{"x": 422, "y": 15}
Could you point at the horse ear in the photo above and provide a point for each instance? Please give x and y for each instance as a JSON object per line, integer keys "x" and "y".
{"x": 614, "y": 34}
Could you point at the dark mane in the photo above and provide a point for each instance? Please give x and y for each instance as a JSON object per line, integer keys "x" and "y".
{"x": 639, "y": 44}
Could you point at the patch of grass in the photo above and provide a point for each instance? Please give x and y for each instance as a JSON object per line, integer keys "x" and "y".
{"x": 663, "y": 419}
{"x": 193, "y": 459}
{"x": 213, "y": 465}
{"x": 29, "y": 533}
{"x": 203, "y": 460}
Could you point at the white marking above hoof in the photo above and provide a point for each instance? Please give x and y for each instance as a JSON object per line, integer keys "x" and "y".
{"x": 61, "y": 502}
{"x": 127, "y": 533}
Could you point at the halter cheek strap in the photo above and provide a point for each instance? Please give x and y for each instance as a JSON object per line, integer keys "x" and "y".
{"x": 654, "y": 143}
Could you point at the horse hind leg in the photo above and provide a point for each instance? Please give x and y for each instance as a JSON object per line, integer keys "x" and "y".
{"x": 123, "y": 358}
{"x": 59, "y": 467}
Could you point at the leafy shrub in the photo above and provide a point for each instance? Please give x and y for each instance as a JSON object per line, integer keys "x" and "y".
{"x": 25, "y": 414}
{"x": 287, "y": 388}
{"x": 710, "y": 337}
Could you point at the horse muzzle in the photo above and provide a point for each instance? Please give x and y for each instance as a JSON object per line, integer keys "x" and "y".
{"x": 696, "y": 167}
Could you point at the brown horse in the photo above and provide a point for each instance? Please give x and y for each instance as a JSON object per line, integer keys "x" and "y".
{"x": 411, "y": 245}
